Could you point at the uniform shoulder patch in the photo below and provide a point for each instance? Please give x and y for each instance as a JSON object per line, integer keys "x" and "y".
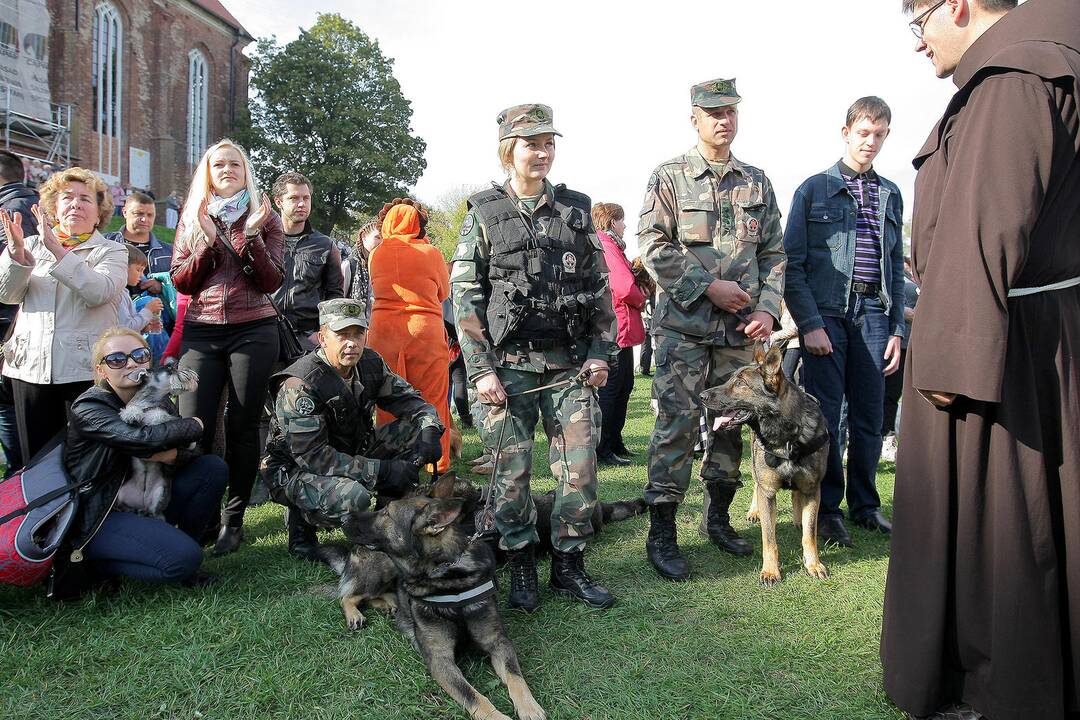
{"x": 467, "y": 224}
{"x": 304, "y": 405}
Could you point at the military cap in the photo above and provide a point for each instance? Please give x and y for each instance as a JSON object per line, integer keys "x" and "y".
{"x": 525, "y": 121}
{"x": 340, "y": 313}
{"x": 714, "y": 93}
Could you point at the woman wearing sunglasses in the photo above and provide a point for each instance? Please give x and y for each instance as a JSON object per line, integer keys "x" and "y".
{"x": 104, "y": 542}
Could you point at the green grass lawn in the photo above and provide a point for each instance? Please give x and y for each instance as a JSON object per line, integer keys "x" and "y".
{"x": 269, "y": 640}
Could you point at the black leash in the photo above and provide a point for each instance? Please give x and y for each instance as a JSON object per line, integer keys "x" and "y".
{"x": 485, "y": 517}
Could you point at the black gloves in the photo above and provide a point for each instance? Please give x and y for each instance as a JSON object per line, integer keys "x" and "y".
{"x": 397, "y": 477}
{"x": 427, "y": 446}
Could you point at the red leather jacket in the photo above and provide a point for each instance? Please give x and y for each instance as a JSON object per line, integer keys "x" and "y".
{"x": 221, "y": 293}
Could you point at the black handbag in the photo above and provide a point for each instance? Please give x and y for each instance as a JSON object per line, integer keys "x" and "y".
{"x": 290, "y": 348}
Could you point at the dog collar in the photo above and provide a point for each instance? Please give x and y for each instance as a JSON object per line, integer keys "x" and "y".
{"x": 476, "y": 594}
{"x": 796, "y": 453}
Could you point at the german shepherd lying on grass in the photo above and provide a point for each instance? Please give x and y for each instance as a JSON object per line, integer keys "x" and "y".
{"x": 444, "y": 592}
{"x": 789, "y": 450}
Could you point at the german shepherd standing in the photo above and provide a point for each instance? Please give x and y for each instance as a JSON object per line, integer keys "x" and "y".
{"x": 789, "y": 450}
{"x": 445, "y": 592}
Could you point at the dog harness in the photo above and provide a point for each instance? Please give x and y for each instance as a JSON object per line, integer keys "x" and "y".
{"x": 796, "y": 452}
{"x": 476, "y": 594}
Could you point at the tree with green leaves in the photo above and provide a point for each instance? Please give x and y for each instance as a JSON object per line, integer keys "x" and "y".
{"x": 327, "y": 105}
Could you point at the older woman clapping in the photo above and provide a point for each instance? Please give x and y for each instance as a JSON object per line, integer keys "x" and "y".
{"x": 64, "y": 279}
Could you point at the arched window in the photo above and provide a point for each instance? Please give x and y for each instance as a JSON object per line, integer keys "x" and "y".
{"x": 197, "y": 96}
{"x": 107, "y": 80}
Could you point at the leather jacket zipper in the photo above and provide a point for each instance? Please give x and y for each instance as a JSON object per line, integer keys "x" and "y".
{"x": 76, "y": 554}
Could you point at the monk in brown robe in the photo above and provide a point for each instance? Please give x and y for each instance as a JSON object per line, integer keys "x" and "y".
{"x": 982, "y": 603}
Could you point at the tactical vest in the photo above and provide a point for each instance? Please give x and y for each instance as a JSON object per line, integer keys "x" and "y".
{"x": 348, "y": 419}
{"x": 540, "y": 290}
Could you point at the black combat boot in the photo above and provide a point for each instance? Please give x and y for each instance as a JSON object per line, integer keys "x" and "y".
{"x": 662, "y": 546}
{"x": 303, "y": 540}
{"x": 524, "y": 593}
{"x": 568, "y": 577}
{"x": 716, "y": 523}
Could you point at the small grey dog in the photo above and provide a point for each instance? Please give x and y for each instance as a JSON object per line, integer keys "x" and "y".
{"x": 148, "y": 488}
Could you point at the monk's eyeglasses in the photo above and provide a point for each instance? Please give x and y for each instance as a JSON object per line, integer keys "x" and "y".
{"x": 917, "y": 24}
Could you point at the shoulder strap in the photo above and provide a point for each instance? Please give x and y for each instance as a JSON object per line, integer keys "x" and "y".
{"x": 43, "y": 500}
{"x": 249, "y": 271}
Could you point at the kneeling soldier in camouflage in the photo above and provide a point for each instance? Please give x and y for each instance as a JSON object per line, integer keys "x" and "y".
{"x": 324, "y": 457}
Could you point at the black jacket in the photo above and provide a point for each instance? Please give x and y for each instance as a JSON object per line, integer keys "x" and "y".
{"x": 99, "y": 449}
{"x": 16, "y": 198}
{"x": 312, "y": 274}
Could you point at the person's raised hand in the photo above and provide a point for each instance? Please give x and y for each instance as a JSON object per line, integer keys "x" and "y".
{"x": 206, "y": 222}
{"x": 257, "y": 219}
{"x": 12, "y": 223}
{"x": 46, "y": 234}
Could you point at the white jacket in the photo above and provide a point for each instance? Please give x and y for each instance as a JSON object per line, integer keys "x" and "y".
{"x": 64, "y": 308}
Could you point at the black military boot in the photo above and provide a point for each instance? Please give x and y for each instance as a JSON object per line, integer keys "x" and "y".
{"x": 662, "y": 546}
{"x": 716, "y": 523}
{"x": 568, "y": 577}
{"x": 303, "y": 540}
{"x": 524, "y": 593}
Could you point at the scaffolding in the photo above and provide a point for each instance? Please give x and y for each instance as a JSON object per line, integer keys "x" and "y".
{"x": 47, "y": 139}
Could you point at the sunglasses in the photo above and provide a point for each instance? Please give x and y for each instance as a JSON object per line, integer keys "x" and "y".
{"x": 118, "y": 360}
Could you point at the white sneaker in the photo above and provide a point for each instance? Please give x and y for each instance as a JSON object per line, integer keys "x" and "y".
{"x": 888, "y": 448}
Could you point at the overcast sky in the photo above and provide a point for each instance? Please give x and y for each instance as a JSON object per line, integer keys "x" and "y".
{"x": 618, "y": 76}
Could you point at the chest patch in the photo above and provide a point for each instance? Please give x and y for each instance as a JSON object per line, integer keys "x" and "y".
{"x": 569, "y": 262}
{"x": 753, "y": 226}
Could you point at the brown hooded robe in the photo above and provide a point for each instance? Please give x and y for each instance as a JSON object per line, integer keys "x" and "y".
{"x": 982, "y": 602}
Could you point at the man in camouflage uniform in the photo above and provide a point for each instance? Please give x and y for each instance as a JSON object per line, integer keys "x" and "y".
{"x": 533, "y": 312}
{"x": 710, "y": 235}
{"x": 324, "y": 457}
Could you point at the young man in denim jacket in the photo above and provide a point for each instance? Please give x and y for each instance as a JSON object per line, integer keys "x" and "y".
{"x": 845, "y": 289}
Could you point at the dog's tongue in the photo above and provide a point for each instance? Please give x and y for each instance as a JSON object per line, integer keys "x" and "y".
{"x": 722, "y": 422}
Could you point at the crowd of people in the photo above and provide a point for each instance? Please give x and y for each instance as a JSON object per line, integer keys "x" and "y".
{"x": 539, "y": 313}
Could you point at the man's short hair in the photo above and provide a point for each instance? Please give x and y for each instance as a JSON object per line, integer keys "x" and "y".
{"x": 994, "y": 6}
{"x": 281, "y": 185}
{"x": 11, "y": 167}
{"x": 870, "y": 107}
{"x": 135, "y": 197}
{"x": 136, "y": 256}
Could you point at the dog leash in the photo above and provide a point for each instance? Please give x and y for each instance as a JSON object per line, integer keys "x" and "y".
{"x": 485, "y": 518}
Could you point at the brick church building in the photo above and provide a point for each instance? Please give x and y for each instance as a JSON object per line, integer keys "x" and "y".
{"x": 151, "y": 84}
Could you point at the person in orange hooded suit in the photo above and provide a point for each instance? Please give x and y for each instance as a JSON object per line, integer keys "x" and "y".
{"x": 409, "y": 281}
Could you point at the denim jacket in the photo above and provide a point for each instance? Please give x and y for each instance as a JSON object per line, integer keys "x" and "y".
{"x": 820, "y": 245}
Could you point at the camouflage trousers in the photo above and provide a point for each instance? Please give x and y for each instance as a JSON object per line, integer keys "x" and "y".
{"x": 684, "y": 369}
{"x": 571, "y": 417}
{"x": 327, "y": 500}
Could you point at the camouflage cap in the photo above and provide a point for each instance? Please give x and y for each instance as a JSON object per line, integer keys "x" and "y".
{"x": 714, "y": 93}
{"x": 340, "y": 313}
{"x": 525, "y": 121}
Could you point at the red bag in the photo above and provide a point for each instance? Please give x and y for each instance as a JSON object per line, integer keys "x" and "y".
{"x": 37, "y": 506}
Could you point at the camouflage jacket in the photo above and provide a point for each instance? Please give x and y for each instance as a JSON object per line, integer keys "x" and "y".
{"x": 470, "y": 290}
{"x": 696, "y": 227}
{"x": 322, "y": 423}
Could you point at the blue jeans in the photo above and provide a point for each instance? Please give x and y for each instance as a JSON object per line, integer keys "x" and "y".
{"x": 167, "y": 550}
{"x": 853, "y": 371}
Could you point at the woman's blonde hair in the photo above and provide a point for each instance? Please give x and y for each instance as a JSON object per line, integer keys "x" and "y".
{"x": 98, "y": 352}
{"x": 201, "y": 187}
{"x": 506, "y": 152}
{"x": 50, "y": 190}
